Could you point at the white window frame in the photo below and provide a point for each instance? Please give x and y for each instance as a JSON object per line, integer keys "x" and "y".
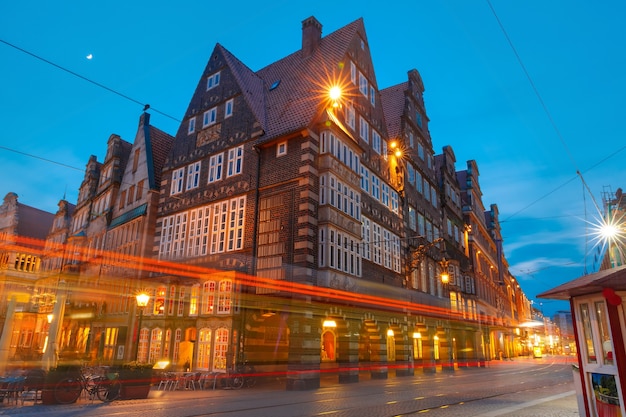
{"x": 372, "y": 96}
{"x": 178, "y": 177}
{"x": 364, "y": 129}
{"x": 375, "y": 187}
{"x": 228, "y": 108}
{"x": 363, "y": 84}
{"x": 213, "y": 81}
{"x": 350, "y": 115}
{"x": 192, "y": 126}
{"x": 216, "y": 167}
{"x": 235, "y": 161}
{"x": 210, "y": 117}
{"x": 193, "y": 175}
{"x": 353, "y": 72}
{"x": 281, "y": 149}
{"x": 376, "y": 143}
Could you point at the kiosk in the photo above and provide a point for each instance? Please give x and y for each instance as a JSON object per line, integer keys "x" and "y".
{"x": 597, "y": 305}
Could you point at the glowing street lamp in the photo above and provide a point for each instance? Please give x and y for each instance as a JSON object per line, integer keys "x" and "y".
{"x": 142, "y": 301}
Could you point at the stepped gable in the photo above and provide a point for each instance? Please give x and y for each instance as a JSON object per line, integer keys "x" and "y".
{"x": 293, "y": 104}
{"x": 393, "y": 107}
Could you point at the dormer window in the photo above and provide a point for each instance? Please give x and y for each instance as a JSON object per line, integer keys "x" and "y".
{"x": 213, "y": 81}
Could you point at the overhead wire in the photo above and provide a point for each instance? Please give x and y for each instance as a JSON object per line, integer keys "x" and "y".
{"x": 556, "y": 129}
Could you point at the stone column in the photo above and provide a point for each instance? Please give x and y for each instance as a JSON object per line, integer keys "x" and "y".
{"x": 303, "y": 367}
{"x": 348, "y": 355}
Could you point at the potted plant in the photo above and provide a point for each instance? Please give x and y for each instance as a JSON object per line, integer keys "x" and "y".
{"x": 136, "y": 380}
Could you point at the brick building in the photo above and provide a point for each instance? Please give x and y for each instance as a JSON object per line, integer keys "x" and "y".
{"x": 299, "y": 220}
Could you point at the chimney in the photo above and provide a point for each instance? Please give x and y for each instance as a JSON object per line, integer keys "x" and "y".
{"x": 311, "y": 35}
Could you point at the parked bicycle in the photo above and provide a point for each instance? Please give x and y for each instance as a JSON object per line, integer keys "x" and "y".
{"x": 244, "y": 374}
{"x": 106, "y": 387}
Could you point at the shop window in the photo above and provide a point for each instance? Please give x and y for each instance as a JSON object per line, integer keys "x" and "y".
{"x": 436, "y": 347}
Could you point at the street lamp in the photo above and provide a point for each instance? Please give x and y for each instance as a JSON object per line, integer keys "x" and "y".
{"x": 142, "y": 302}
{"x": 445, "y": 281}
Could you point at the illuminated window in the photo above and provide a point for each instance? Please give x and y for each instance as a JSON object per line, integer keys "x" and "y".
{"x": 156, "y": 340}
{"x": 221, "y": 348}
{"x": 208, "y": 297}
{"x": 225, "y": 294}
{"x": 204, "y": 349}
{"x": 159, "y": 302}
{"x": 418, "y": 352}
{"x": 193, "y": 300}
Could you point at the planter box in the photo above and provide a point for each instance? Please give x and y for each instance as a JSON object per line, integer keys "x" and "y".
{"x": 134, "y": 392}
{"x": 53, "y": 377}
{"x": 136, "y": 383}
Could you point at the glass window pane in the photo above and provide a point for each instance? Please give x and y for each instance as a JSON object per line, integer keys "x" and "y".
{"x": 587, "y": 335}
{"x": 605, "y": 337}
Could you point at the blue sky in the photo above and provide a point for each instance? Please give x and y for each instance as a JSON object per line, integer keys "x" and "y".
{"x": 530, "y": 126}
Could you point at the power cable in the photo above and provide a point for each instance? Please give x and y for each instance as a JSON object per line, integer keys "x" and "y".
{"x": 41, "y": 158}
{"x": 533, "y": 86}
{"x": 82, "y": 77}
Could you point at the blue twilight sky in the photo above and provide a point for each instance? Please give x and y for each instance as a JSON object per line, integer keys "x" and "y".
{"x": 530, "y": 125}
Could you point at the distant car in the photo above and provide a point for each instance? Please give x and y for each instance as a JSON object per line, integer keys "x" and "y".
{"x": 537, "y": 352}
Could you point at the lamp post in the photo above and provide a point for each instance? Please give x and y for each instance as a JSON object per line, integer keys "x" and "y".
{"x": 142, "y": 302}
{"x": 445, "y": 281}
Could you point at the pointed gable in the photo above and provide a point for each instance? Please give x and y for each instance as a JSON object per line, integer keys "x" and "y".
{"x": 142, "y": 173}
{"x": 393, "y": 107}
{"x": 250, "y": 83}
{"x": 301, "y": 80}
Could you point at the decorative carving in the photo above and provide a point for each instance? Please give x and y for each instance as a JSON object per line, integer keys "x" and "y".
{"x": 208, "y": 135}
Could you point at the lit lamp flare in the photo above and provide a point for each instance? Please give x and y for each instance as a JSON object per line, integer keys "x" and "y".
{"x": 335, "y": 95}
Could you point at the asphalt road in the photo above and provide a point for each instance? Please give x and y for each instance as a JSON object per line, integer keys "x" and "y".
{"x": 527, "y": 387}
